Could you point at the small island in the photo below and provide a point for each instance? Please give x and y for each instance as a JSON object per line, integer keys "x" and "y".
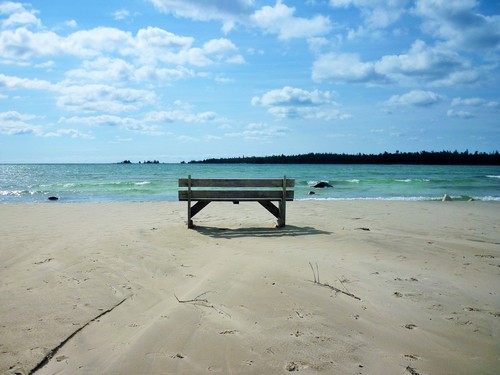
{"x": 145, "y": 162}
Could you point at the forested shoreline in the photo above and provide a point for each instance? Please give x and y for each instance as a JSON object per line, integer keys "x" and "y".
{"x": 423, "y": 157}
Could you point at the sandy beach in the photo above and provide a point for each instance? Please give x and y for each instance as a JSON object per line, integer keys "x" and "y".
{"x": 126, "y": 288}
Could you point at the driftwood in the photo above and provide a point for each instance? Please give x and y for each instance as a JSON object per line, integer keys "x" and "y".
{"x": 326, "y": 285}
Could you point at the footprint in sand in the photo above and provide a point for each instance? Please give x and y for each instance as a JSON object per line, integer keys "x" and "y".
{"x": 412, "y": 357}
{"x": 229, "y": 332}
{"x": 292, "y": 366}
{"x": 410, "y": 326}
{"x": 471, "y": 309}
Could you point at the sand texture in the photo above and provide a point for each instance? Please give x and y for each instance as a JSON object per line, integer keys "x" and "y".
{"x": 126, "y": 288}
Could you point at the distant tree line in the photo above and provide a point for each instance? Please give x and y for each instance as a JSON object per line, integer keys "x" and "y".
{"x": 422, "y": 157}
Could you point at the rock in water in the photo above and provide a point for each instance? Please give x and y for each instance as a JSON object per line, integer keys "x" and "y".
{"x": 446, "y": 198}
{"x": 322, "y": 184}
{"x": 53, "y": 198}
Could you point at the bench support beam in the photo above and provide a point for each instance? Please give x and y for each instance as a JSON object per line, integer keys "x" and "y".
{"x": 271, "y": 208}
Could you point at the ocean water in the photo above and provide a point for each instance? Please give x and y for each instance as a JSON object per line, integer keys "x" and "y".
{"x": 158, "y": 182}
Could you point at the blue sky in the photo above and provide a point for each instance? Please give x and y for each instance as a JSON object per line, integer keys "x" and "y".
{"x": 173, "y": 80}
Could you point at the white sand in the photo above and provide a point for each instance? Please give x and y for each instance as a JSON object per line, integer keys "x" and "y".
{"x": 427, "y": 274}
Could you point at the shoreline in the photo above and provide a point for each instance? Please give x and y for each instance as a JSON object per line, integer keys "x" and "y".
{"x": 454, "y": 198}
{"x": 146, "y": 295}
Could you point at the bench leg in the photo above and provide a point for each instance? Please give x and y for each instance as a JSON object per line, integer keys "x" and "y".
{"x": 192, "y": 211}
{"x": 278, "y": 213}
{"x": 281, "y": 219}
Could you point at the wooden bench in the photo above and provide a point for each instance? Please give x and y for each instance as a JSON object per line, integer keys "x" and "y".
{"x": 262, "y": 190}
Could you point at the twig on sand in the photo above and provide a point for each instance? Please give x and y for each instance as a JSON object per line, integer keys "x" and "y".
{"x": 411, "y": 370}
{"x": 314, "y": 273}
{"x": 54, "y": 351}
{"x": 343, "y": 284}
{"x": 202, "y": 302}
{"x": 339, "y": 290}
{"x": 326, "y": 285}
{"x": 195, "y": 300}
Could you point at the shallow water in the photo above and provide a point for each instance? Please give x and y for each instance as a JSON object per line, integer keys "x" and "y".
{"x": 158, "y": 182}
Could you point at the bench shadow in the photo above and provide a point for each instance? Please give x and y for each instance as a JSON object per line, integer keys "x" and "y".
{"x": 287, "y": 231}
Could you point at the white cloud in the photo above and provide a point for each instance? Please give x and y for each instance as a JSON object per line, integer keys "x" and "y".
{"x": 180, "y": 115}
{"x": 472, "y": 106}
{"x": 228, "y": 12}
{"x": 222, "y": 50}
{"x": 474, "y": 102}
{"x": 124, "y": 123}
{"x": 280, "y": 20}
{"x": 291, "y": 102}
{"x": 438, "y": 66}
{"x": 71, "y": 23}
{"x": 121, "y": 14}
{"x": 291, "y": 96}
{"x": 115, "y": 70}
{"x": 15, "y": 123}
{"x": 95, "y": 97}
{"x": 11, "y": 82}
{"x": 416, "y": 98}
{"x": 187, "y": 138}
{"x": 9, "y": 7}
{"x": 15, "y": 116}
{"x": 100, "y": 120}
{"x": 458, "y": 23}
{"x": 103, "y": 69}
{"x": 346, "y": 67}
{"x": 18, "y": 15}
{"x": 260, "y": 132}
{"x": 429, "y": 63}
{"x": 376, "y": 13}
{"x": 73, "y": 133}
{"x": 460, "y": 114}
{"x": 317, "y": 43}
{"x": 96, "y": 41}
{"x": 149, "y": 47}
{"x": 24, "y": 44}
{"x": 86, "y": 97}
{"x": 205, "y": 10}
{"x": 45, "y": 65}
{"x": 153, "y": 74}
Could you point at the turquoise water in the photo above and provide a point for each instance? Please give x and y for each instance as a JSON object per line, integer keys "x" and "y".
{"x": 158, "y": 182}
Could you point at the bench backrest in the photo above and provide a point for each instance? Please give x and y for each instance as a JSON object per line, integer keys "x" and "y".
{"x": 235, "y": 189}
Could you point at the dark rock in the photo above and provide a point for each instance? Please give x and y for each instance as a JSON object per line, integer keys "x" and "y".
{"x": 322, "y": 185}
{"x": 53, "y": 198}
{"x": 312, "y": 193}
